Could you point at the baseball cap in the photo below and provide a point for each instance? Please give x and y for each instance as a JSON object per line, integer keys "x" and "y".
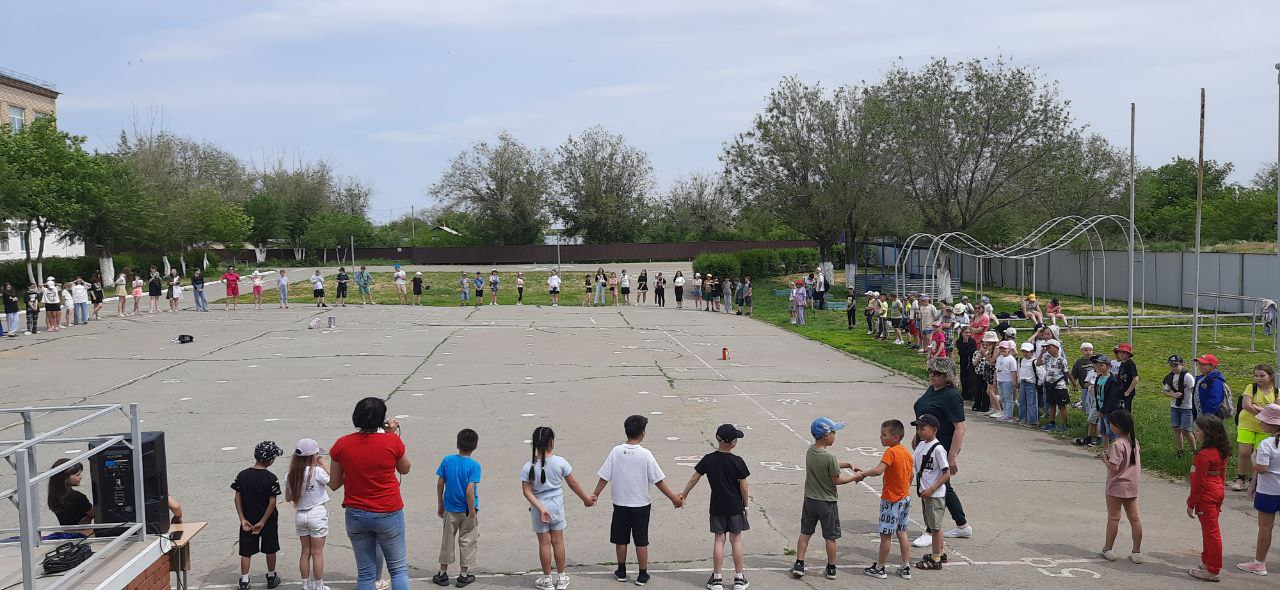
{"x": 1175, "y": 359}
{"x": 1011, "y": 332}
{"x": 1053, "y": 342}
{"x": 1006, "y": 344}
{"x": 266, "y": 451}
{"x": 728, "y": 433}
{"x": 823, "y": 426}
{"x": 1027, "y": 347}
{"x": 929, "y": 419}
{"x": 964, "y": 297}
{"x": 307, "y": 447}
{"x": 1126, "y": 347}
{"x": 1208, "y": 359}
{"x": 1101, "y": 358}
{"x": 1086, "y": 346}
{"x": 397, "y": 266}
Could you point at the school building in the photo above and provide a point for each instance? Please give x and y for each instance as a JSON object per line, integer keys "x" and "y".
{"x": 24, "y": 99}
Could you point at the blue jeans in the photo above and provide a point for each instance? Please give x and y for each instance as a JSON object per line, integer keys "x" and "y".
{"x": 12, "y": 325}
{"x": 1027, "y": 403}
{"x": 201, "y": 303}
{"x": 1006, "y": 398}
{"x": 80, "y": 313}
{"x": 370, "y": 531}
{"x": 284, "y": 294}
{"x": 599, "y": 298}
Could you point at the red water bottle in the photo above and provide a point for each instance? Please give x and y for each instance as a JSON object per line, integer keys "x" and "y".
{"x": 724, "y": 354}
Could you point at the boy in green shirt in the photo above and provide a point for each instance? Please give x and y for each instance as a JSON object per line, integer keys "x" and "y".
{"x": 822, "y": 475}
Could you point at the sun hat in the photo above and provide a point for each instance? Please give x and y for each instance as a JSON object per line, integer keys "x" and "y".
{"x": 1011, "y": 332}
{"x": 1270, "y": 414}
{"x": 1086, "y": 346}
{"x": 990, "y": 337}
{"x": 1123, "y": 347}
{"x": 307, "y": 447}
{"x": 1031, "y": 297}
{"x": 823, "y": 426}
{"x": 1054, "y": 330}
{"x": 729, "y": 433}
{"x": 1027, "y": 347}
{"x": 964, "y": 297}
{"x": 1053, "y": 342}
{"x": 1006, "y": 344}
{"x": 1208, "y": 359}
{"x": 417, "y": 274}
{"x": 927, "y": 420}
{"x": 959, "y": 308}
{"x": 266, "y": 451}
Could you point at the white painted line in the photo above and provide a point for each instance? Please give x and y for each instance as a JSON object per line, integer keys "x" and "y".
{"x": 527, "y": 415}
{"x": 72, "y": 452}
{"x": 253, "y": 366}
{"x": 270, "y": 419}
{"x": 531, "y": 393}
{"x": 593, "y": 320}
{"x": 655, "y": 413}
{"x": 418, "y": 394}
{"x": 401, "y": 416}
{"x": 642, "y": 392}
{"x": 183, "y": 399}
{"x": 303, "y": 396}
{"x": 673, "y": 438}
{"x": 228, "y": 448}
{"x": 427, "y": 378}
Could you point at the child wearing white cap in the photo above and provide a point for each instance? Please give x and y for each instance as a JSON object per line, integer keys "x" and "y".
{"x": 1028, "y": 396}
{"x": 1006, "y": 379}
{"x": 306, "y": 485}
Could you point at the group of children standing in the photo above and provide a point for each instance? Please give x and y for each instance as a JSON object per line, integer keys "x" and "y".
{"x": 73, "y": 303}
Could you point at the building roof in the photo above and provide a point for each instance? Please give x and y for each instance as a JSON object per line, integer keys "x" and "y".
{"x": 27, "y": 83}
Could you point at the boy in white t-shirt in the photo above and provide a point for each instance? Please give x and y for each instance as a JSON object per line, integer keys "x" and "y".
{"x": 1006, "y": 379}
{"x": 932, "y": 474}
{"x": 632, "y": 470}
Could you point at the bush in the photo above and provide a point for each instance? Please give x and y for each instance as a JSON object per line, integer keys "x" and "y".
{"x": 800, "y": 260}
{"x": 760, "y": 262}
{"x": 720, "y": 265}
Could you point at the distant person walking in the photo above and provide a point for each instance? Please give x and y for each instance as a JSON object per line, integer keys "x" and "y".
{"x": 197, "y": 291}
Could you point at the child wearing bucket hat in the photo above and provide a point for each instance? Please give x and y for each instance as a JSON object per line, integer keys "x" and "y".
{"x": 1266, "y": 487}
{"x": 1126, "y": 374}
{"x": 255, "y": 500}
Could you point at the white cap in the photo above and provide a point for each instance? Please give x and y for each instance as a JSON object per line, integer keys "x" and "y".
{"x": 1027, "y": 347}
{"x": 1010, "y": 332}
{"x": 1084, "y": 345}
{"x": 417, "y": 274}
{"x": 1053, "y": 342}
{"x": 959, "y": 308}
{"x": 307, "y": 447}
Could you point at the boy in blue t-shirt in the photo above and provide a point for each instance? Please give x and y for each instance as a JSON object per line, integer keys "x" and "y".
{"x": 457, "y": 490}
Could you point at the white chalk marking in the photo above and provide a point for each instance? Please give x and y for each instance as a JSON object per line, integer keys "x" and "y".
{"x": 673, "y": 438}
{"x": 642, "y": 392}
{"x": 253, "y": 366}
{"x": 655, "y": 413}
{"x": 401, "y": 416}
{"x": 303, "y": 396}
{"x": 270, "y": 419}
{"x": 427, "y": 378}
{"x": 228, "y": 448}
{"x": 71, "y": 452}
{"x": 418, "y": 394}
{"x": 183, "y": 399}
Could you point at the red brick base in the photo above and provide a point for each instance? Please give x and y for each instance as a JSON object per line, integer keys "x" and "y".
{"x": 155, "y": 577}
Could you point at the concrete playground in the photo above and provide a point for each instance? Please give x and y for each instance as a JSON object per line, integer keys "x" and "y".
{"x": 1035, "y": 504}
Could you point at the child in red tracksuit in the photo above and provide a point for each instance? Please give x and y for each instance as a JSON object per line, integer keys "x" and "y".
{"x": 1207, "y": 490}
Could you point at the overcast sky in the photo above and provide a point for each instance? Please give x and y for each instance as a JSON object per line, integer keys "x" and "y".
{"x": 390, "y": 90}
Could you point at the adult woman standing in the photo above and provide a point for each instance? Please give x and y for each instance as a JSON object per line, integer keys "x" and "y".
{"x": 366, "y": 463}
{"x": 965, "y": 347}
{"x": 943, "y": 401}
{"x": 659, "y": 289}
{"x": 601, "y": 280}
{"x": 981, "y": 323}
{"x": 696, "y": 291}
{"x": 96, "y": 296}
{"x": 1249, "y": 433}
{"x": 984, "y": 366}
{"x": 642, "y": 286}
{"x": 678, "y": 283}
{"x": 122, "y": 290}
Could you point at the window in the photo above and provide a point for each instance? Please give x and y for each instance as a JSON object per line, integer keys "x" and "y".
{"x": 22, "y": 242}
{"x": 4, "y": 240}
{"x": 16, "y": 117}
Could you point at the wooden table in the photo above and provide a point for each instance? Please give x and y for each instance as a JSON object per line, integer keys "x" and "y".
{"x": 180, "y": 553}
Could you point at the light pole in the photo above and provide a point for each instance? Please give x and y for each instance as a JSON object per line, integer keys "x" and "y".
{"x": 1133, "y": 126}
{"x": 1278, "y": 195}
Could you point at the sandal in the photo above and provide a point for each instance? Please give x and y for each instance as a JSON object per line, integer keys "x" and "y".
{"x": 928, "y": 563}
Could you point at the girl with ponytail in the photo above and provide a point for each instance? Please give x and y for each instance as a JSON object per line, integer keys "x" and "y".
{"x": 1124, "y": 466}
{"x": 542, "y": 480}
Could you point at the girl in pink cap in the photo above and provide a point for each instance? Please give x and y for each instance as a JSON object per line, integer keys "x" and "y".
{"x": 1265, "y": 487}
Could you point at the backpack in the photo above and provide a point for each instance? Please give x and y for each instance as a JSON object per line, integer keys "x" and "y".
{"x": 1230, "y": 406}
{"x": 926, "y": 463}
{"x": 1180, "y": 384}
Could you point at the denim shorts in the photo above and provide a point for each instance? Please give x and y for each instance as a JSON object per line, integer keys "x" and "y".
{"x": 1104, "y": 428}
{"x": 1180, "y": 418}
{"x": 555, "y": 507}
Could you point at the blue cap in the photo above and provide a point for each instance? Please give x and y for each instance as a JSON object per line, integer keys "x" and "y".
{"x": 397, "y": 266}
{"x": 823, "y": 426}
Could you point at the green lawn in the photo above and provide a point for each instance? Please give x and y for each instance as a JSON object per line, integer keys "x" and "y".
{"x": 1152, "y": 346}
{"x": 444, "y": 289}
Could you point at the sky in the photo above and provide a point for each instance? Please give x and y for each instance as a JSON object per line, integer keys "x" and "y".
{"x": 390, "y": 91}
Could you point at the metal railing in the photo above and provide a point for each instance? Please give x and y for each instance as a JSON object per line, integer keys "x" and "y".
{"x": 21, "y": 77}
{"x": 21, "y": 455}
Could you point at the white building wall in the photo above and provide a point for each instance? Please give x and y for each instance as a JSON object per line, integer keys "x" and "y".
{"x": 11, "y": 246}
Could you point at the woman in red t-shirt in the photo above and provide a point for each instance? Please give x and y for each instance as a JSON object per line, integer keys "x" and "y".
{"x": 1207, "y": 490}
{"x": 366, "y": 463}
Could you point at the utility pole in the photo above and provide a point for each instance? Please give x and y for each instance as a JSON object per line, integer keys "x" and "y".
{"x": 1133, "y": 126}
{"x": 1195, "y": 313}
{"x": 1278, "y": 198}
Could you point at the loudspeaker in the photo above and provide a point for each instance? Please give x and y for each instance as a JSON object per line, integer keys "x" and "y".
{"x": 111, "y": 472}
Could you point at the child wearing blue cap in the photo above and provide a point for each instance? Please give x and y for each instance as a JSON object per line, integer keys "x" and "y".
{"x": 822, "y": 475}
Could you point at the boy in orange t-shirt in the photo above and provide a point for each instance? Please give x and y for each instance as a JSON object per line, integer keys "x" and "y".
{"x": 895, "y": 498}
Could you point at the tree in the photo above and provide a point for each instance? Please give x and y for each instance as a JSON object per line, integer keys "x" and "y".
{"x": 267, "y": 215}
{"x": 49, "y": 178}
{"x": 602, "y": 183}
{"x": 335, "y": 229}
{"x": 968, "y": 139}
{"x": 118, "y": 214}
{"x": 302, "y": 191}
{"x": 697, "y": 207}
{"x": 505, "y": 187}
{"x": 1166, "y": 210}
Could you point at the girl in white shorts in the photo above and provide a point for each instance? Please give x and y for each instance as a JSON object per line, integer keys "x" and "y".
{"x": 542, "y": 479}
{"x": 307, "y": 486}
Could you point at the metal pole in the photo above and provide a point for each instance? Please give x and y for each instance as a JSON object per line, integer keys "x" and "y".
{"x": 28, "y": 433}
{"x": 1133, "y": 126}
{"x": 1195, "y": 314}
{"x": 26, "y": 525}
{"x": 353, "y": 250}
{"x": 1278, "y": 200}
{"x": 139, "y": 494}
{"x": 413, "y": 225}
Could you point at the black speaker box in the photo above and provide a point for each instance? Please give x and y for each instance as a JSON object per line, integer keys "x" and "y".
{"x": 112, "y": 474}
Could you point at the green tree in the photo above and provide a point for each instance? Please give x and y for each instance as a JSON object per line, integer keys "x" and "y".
{"x": 1166, "y": 199}
{"x": 303, "y": 192}
{"x": 506, "y": 188}
{"x": 603, "y": 184}
{"x": 334, "y": 229}
{"x": 697, "y": 207}
{"x": 116, "y": 215}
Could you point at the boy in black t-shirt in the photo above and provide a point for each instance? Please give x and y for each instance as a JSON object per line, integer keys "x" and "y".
{"x": 727, "y": 475}
{"x": 256, "y": 491}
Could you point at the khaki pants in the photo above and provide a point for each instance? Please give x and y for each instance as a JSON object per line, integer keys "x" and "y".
{"x": 456, "y": 524}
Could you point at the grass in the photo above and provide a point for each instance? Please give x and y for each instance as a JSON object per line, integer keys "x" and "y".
{"x": 1151, "y": 345}
{"x": 444, "y": 289}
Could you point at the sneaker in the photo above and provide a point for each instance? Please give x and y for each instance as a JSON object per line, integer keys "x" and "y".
{"x": 1253, "y": 567}
{"x": 1050, "y": 427}
{"x": 740, "y": 581}
{"x": 923, "y": 540}
{"x": 960, "y": 532}
{"x": 1137, "y": 558}
{"x": 243, "y": 585}
{"x": 715, "y": 583}
{"x": 995, "y": 414}
{"x": 1239, "y": 485}
{"x": 441, "y": 578}
{"x": 562, "y": 581}
{"x": 319, "y": 585}
{"x": 620, "y": 574}
{"x": 797, "y": 569}
{"x": 273, "y": 581}
{"x": 1198, "y": 572}
{"x": 642, "y": 578}
{"x": 875, "y": 570}
{"x": 830, "y": 572}
{"x": 464, "y": 579}
{"x": 1004, "y": 419}
{"x": 1109, "y": 555}
{"x": 904, "y": 572}
{"x": 545, "y": 583}
{"x": 385, "y": 583}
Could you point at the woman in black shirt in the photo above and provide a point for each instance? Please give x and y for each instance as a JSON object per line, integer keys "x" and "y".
{"x": 11, "y": 301}
{"x": 69, "y": 505}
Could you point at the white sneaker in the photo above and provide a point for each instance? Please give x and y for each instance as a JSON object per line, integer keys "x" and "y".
{"x": 960, "y": 532}
{"x": 1137, "y": 558}
{"x": 306, "y": 584}
{"x": 923, "y": 540}
{"x": 383, "y": 584}
{"x": 562, "y": 582}
{"x": 545, "y": 583}
{"x": 1109, "y": 555}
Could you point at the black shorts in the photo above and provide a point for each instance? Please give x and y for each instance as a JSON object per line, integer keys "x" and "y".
{"x": 268, "y": 541}
{"x": 729, "y": 524}
{"x": 626, "y": 290}
{"x": 819, "y": 511}
{"x": 553, "y": 291}
{"x": 480, "y": 293}
{"x": 342, "y": 289}
{"x": 746, "y": 301}
{"x": 1056, "y": 397}
{"x": 53, "y": 307}
{"x": 317, "y": 292}
{"x": 630, "y": 523}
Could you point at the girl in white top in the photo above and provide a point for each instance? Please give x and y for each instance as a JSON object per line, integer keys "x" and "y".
{"x": 677, "y": 283}
{"x": 68, "y": 304}
{"x": 80, "y": 299}
{"x": 122, "y": 285}
{"x": 1266, "y": 487}
{"x": 553, "y": 288}
{"x": 1006, "y": 379}
{"x": 307, "y": 486}
{"x": 542, "y": 480}
{"x": 625, "y": 283}
{"x": 257, "y": 279}
{"x": 519, "y": 288}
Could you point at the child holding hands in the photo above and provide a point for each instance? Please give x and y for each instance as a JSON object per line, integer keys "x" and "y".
{"x": 895, "y": 498}
{"x": 542, "y": 481}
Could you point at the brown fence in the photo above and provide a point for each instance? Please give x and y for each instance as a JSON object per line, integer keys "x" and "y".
{"x": 540, "y": 254}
